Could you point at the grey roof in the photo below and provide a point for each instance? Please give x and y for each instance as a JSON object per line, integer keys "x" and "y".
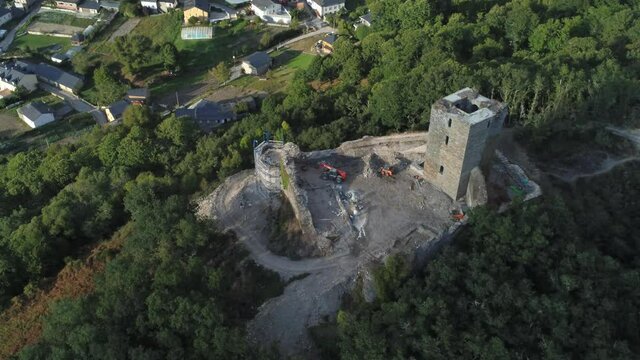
{"x": 70, "y": 1}
{"x": 35, "y": 109}
{"x": 366, "y": 17}
{"x": 53, "y": 74}
{"x": 330, "y": 39}
{"x": 117, "y": 108}
{"x": 263, "y": 4}
{"x": 325, "y": 3}
{"x": 14, "y": 72}
{"x": 258, "y": 59}
{"x": 90, "y": 4}
{"x": 4, "y": 11}
{"x": 207, "y": 114}
{"x": 59, "y": 56}
{"x": 140, "y": 92}
{"x": 200, "y": 4}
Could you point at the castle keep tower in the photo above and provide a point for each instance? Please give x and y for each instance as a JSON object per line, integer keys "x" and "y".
{"x": 462, "y": 128}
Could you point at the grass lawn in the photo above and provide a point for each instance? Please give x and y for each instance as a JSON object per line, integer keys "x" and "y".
{"x": 16, "y": 135}
{"x": 39, "y": 42}
{"x": 286, "y": 64}
{"x": 63, "y": 19}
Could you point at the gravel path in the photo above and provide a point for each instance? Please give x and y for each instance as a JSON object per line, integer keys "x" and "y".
{"x": 125, "y": 28}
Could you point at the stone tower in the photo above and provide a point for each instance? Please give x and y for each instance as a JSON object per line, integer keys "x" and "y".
{"x": 462, "y": 130}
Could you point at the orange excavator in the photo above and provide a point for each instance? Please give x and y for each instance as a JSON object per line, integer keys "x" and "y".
{"x": 386, "y": 171}
{"x": 331, "y": 173}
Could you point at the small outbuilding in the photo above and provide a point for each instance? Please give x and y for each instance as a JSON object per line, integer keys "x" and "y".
{"x": 138, "y": 96}
{"x": 257, "y": 63}
{"x": 115, "y": 110}
{"x": 36, "y": 114}
{"x": 89, "y": 7}
{"x": 208, "y": 114}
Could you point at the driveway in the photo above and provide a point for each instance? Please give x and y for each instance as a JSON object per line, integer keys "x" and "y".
{"x": 8, "y": 39}
{"x": 324, "y": 30}
{"x": 77, "y": 103}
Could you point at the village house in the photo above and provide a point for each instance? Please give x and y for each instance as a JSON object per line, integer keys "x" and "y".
{"x": 67, "y": 4}
{"x": 5, "y": 16}
{"x": 364, "y": 20}
{"x": 36, "y": 114}
{"x": 270, "y": 12}
{"x": 24, "y": 4}
{"x": 115, "y": 110}
{"x": 166, "y": 5}
{"x": 323, "y": 8}
{"x": 58, "y": 78}
{"x": 327, "y": 43}
{"x": 208, "y": 114}
{"x": 138, "y": 96}
{"x": 150, "y": 5}
{"x": 198, "y": 9}
{"x": 14, "y": 75}
{"x": 89, "y": 7}
{"x": 257, "y": 63}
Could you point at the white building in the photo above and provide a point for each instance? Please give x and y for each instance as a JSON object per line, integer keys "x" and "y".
{"x": 16, "y": 74}
{"x": 166, "y": 5}
{"x": 24, "y": 4}
{"x": 150, "y": 4}
{"x": 36, "y": 114}
{"x": 270, "y": 12}
{"x": 326, "y": 7}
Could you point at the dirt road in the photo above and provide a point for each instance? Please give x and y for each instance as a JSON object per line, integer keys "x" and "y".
{"x": 125, "y": 28}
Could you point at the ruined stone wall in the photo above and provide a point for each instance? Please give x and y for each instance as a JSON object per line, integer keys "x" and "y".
{"x": 298, "y": 199}
{"x": 408, "y": 144}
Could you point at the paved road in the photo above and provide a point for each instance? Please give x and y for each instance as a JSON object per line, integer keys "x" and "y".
{"x": 8, "y": 39}
{"x": 324, "y": 30}
{"x": 77, "y": 103}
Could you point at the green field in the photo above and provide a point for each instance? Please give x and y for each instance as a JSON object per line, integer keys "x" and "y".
{"x": 63, "y": 19}
{"x": 286, "y": 63}
{"x": 198, "y": 56}
{"x": 38, "y": 42}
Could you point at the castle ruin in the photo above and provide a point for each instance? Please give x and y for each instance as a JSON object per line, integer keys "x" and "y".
{"x": 462, "y": 130}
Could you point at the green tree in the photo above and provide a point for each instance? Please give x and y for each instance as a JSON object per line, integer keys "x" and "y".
{"x": 108, "y": 88}
{"x": 169, "y": 56}
{"x": 220, "y": 72}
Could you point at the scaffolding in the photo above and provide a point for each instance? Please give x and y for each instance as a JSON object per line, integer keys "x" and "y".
{"x": 267, "y": 157}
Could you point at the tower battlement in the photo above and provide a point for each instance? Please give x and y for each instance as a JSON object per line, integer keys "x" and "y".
{"x": 462, "y": 128}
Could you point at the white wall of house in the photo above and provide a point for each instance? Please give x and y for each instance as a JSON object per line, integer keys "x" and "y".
{"x": 325, "y": 10}
{"x": 149, "y": 4}
{"x": 165, "y": 6}
{"x": 41, "y": 120}
{"x": 273, "y": 14}
{"x": 29, "y": 82}
{"x": 248, "y": 69}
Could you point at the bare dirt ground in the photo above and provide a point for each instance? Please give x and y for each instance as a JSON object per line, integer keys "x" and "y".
{"x": 394, "y": 214}
{"x": 11, "y": 125}
{"x": 126, "y": 28}
{"x": 47, "y": 28}
{"x": 232, "y": 92}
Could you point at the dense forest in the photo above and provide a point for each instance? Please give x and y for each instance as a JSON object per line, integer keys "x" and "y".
{"x": 545, "y": 280}
{"x": 555, "y": 279}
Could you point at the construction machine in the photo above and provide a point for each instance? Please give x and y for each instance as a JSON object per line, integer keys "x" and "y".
{"x": 386, "y": 171}
{"x": 331, "y": 173}
{"x": 456, "y": 215}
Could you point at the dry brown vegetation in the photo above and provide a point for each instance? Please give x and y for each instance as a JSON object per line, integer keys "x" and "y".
{"x": 21, "y": 323}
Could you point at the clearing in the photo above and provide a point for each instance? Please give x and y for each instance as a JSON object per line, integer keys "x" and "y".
{"x": 39, "y": 42}
{"x": 286, "y": 63}
{"x": 364, "y": 219}
{"x": 54, "y": 17}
